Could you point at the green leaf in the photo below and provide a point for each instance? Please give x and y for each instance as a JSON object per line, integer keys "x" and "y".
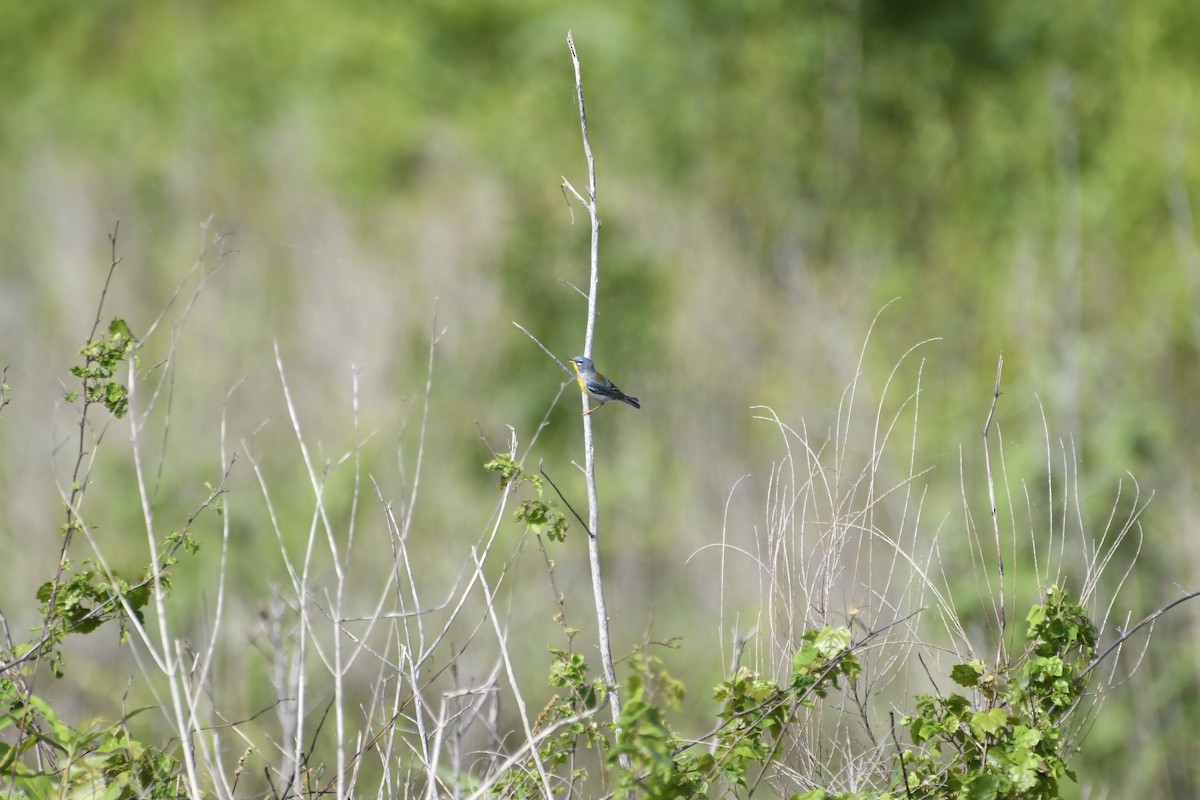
{"x": 116, "y": 398}
{"x": 988, "y": 722}
{"x": 957, "y": 705}
{"x": 504, "y": 464}
{"x": 62, "y": 732}
{"x": 804, "y": 659}
{"x": 1025, "y": 738}
{"x": 967, "y": 674}
{"x": 37, "y": 784}
{"x": 983, "y": 787}
{"x": 832, "y": 642}
{"x": 118, "y": 330}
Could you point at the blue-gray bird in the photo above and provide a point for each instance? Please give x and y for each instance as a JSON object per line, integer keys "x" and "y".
{"x": 598, "y": 387}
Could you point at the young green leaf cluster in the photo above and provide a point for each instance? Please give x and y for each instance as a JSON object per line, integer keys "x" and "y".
{"x": 755, "y": 713}
{"x": 538, "y": 515}
{"x": 98, "y": 760}
{"x": 100, "y": 360}
{"x": 1004, "y": 743}
{"x": 1009, "y": 742}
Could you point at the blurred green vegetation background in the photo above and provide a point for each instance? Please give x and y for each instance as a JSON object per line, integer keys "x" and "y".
{"x": 1019, "y": 174}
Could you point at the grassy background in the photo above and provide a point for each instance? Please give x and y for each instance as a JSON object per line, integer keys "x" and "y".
{"x": 770, "y": 177}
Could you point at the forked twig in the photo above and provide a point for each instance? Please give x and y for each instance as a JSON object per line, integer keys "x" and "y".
{"x": 603, "y": 643}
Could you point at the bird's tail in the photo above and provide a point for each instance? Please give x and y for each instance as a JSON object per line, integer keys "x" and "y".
{"x": 633, "y": 401}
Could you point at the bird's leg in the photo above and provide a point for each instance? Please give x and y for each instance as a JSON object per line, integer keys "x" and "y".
{"x": 590, "y": 410}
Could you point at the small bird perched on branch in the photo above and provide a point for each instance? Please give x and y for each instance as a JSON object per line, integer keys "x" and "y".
{"x": 598, "y": 387}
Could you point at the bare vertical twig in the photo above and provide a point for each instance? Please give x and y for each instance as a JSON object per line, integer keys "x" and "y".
{"x": 991, "y": 484}
{"x": 606, "y": 660}
{"x": 4, "y": 399}
{"x": 900, "y": 754}
{"x": 489, "y": 599}
{"x": 435, "y": 336}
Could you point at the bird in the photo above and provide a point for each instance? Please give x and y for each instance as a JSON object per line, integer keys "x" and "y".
{"x": 598, "y": 387}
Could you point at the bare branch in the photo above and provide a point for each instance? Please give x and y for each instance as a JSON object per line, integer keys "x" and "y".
{"x": 604, "y": 645}
{"x": 545, "y": 349}
{"x": 991, "y": 484}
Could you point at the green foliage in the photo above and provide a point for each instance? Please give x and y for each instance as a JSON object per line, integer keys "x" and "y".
{"x": 42, "y": 755}
{"x": 505, "y": 467}
{"x": 661, "y": 685}
{"x": 538, "y": 515}
{"x": 81, "y": 602}
{"x": 658, "y": 769}
{"x": 99, "y": 760}
{"x": 569, "y": 671}
{"x": 821, "y": 794}
{"x": 100, "y": 360}
{"x": 572, "y": 717}
{"x": 821, "y": 660}
{"x": 84, "y": 602}
{"x": 1009, "y": 743}
{"x": 754, "y": 712}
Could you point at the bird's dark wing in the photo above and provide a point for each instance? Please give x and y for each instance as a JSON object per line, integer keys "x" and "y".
{"x": 601, "y": 385}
